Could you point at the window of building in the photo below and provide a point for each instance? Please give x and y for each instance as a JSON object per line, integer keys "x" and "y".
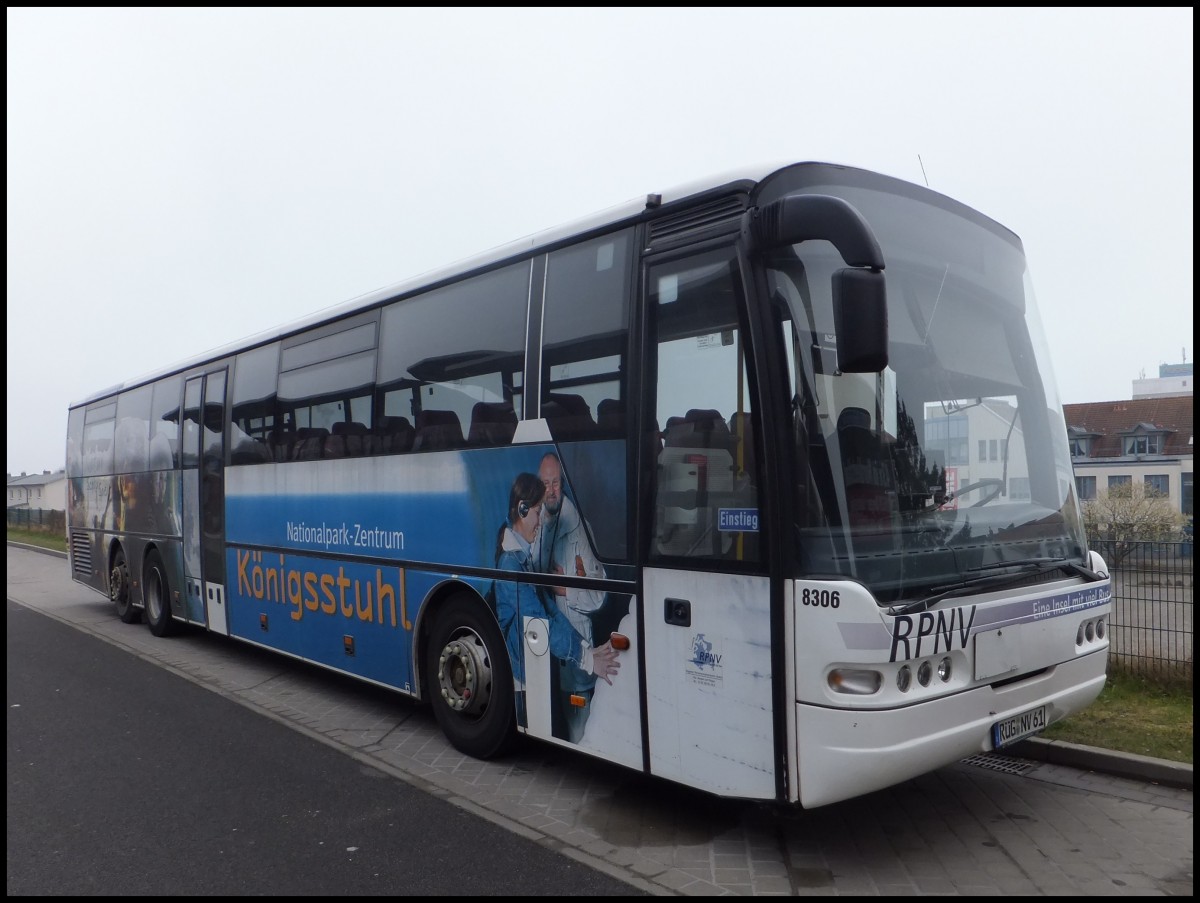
{"x": 1146, "y": 444}
{"x": 1018, "y": 489}
{"x": 992, "y": 444}
{"x": 1119, "y": 480}
{"x": 948, "y": 435}
{"x": 1158, "y": 483}
{"x": 1185, "y": 493}
{"x": 982, "y": 450}
{"x": 1086, "y": 487}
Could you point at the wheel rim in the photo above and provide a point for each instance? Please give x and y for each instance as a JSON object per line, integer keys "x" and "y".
{"x": 464, "y": 674}
{"x": 116, "y": 583}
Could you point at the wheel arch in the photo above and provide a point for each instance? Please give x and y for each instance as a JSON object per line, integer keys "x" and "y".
{"x": 434, "y": 600}
{"x": 116, "y": 544}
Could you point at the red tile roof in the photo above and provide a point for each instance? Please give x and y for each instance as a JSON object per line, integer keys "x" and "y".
{"x": 1110, "y": 421}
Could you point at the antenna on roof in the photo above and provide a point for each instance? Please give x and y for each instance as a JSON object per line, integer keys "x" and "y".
{"x": 922, "y": 162}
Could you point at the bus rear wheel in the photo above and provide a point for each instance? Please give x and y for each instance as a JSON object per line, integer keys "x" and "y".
{"x": 119, "y": 590}
{"x": 470, "y": 679}
{"x": 156, "y": 593}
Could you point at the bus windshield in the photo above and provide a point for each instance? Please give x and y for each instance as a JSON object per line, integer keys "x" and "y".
{"x": 952, "y": 463}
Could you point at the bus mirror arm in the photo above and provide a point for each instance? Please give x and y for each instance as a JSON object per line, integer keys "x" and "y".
{"x": 859, "y": 294}
{"x": 802, "y": 217}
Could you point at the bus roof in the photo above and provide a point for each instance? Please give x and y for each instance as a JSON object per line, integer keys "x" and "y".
{"x": 745, "y": 177}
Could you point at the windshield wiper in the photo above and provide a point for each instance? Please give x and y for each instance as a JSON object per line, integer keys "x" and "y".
{"x": 1042, "y": 565}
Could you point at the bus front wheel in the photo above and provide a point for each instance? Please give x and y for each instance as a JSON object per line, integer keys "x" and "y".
{"x": 119, "y": 591}
{"x": 470, "y": 680}
{"x": 156, "y": 594}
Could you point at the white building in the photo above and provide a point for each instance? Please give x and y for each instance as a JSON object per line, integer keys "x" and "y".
{"x": 45, "y": 490}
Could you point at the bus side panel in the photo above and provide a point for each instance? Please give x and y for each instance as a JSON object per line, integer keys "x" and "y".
{"x": 311, "y": 547}
{"x": 346, "y": 615}
{"x": 89, "y": 517}
{"x": 709, "y": 681}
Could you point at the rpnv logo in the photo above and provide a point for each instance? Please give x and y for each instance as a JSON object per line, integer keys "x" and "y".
{"x": 737, "y": 520}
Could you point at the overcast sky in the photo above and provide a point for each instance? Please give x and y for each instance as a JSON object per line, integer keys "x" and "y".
{"x": 179, "y": 179}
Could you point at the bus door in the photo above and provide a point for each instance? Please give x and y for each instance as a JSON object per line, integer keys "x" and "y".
{"x": 204, "y": 500}
{"x": 706, "y": 588}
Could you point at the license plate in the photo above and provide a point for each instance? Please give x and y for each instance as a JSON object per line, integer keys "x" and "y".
{"x": 1018, "y": 727}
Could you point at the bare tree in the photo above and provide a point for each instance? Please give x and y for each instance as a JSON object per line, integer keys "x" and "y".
{"x": 1129, "y": 513}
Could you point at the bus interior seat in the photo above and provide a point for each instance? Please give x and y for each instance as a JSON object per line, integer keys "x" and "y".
{"x": 569, "y": 416}
{"x": 677, "y": 433}
{"x": 699, "y": 428}
{"x": 347, "y": 439}
{"x": 492, "y": 423}
{"x": 280, "y": 443}
{"x": 853, "y": 417}
{"x": 741, "y": 427}
{"x": 251, "y": 451}
{"x": 610, "y": 417}
{"x": 437, "y": 431}
{"x": 393, "y": 435}
{"x": 310, "y": 443}
{"x": 870, "y": 494}
{"x": 710, "y": 428}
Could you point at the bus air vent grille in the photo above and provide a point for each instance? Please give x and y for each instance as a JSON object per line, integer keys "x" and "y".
{"x": 81, "y": 553}
{"x": 722, "y": 215}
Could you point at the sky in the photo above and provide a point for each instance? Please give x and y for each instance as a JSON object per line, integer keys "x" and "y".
{"x": 179, "y": 179}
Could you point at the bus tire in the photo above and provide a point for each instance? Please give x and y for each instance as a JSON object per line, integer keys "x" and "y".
{"x": 470, "y": 679}
{"x": 119, "y": 590}
{"x": 156, "y": 594}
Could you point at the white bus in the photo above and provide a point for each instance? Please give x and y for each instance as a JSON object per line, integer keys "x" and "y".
{"x": 695, "y": 485}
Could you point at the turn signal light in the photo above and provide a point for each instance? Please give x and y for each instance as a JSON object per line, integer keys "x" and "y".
{"x": 855, "y": 682}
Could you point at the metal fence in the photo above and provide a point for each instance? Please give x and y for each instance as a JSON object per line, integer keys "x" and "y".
{"x": 1150, "y": 631}
{"x": 46, "y": 519}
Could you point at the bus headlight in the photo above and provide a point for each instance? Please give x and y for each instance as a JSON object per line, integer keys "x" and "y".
{"x": 904, "y": 679}
{"x": 858, "y": 683}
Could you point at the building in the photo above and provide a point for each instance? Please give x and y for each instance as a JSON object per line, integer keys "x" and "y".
{"x": 1146, "y": 438}
{"x": 1173, "y": 379}
{"x": 45, "y": 490}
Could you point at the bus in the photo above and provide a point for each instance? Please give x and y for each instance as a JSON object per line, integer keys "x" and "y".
{"x": 760, "y": 485}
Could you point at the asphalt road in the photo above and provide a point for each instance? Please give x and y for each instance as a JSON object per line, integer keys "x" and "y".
{"x": 127, "y": 780}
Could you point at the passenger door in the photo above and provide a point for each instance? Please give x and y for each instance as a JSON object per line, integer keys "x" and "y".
{"x": 706, "y": 590}
{"x": 204, "y": 500}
